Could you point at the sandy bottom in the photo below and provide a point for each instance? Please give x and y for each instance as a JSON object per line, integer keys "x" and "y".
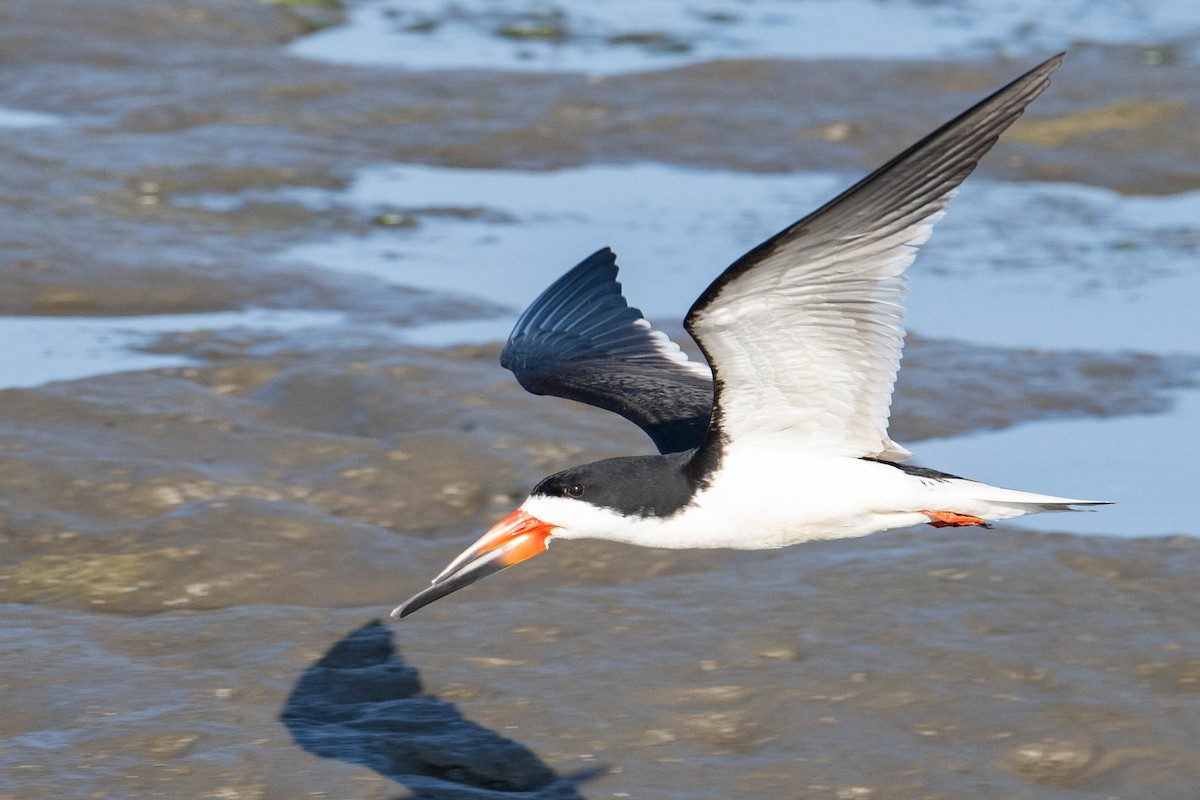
{"x": 195, "y": 558}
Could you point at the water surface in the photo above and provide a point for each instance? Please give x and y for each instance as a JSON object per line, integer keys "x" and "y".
{"x": 1045, "y": 266}
{"x": 613, "y": 36}
{"x": 192, "y": 554}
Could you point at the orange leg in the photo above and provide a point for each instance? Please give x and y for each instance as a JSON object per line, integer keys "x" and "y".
{"x": 949, "y": 519}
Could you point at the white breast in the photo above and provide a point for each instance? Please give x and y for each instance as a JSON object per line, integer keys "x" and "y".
{"x": 762, "y": 497}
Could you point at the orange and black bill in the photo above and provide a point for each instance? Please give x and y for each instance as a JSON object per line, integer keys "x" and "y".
{"x": 516, "y": 538}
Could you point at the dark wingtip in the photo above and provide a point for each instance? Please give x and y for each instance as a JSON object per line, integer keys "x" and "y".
{"x": 936, "y": 163}
{"x": 563, "y": 302}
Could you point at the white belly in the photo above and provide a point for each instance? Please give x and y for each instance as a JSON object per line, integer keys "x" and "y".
{"x": 762, "y": 499}
{"x": 765, "y": 497}
{"x": 768, "y": 500}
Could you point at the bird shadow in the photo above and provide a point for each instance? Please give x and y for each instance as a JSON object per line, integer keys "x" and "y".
{"x": 362, "y": 704}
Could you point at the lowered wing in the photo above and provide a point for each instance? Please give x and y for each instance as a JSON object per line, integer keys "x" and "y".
{"x": 581, "y": 340}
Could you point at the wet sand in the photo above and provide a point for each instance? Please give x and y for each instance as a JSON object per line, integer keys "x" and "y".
{"x": 186, "y": 545}
{"x": 193, "y": 557}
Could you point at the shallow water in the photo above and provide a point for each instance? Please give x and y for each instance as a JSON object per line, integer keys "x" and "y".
{"x": 1047, "y": 266}
{"x": 1146, "y": 463}
{"x": 631, "y": 35}
{"x": 1062, "y": 266}
{"x": 191, "y": 556}
{"x": 17, "y": 118}
{"x": 42, "y": 349}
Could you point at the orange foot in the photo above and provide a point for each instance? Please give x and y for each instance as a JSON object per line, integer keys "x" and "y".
{"x": 948, "y": 519}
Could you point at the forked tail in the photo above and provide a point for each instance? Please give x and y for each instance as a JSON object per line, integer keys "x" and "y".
{"x": 996, "y": 503}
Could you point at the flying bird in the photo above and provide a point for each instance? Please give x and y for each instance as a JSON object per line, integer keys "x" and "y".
{"x": 782, "y": 437}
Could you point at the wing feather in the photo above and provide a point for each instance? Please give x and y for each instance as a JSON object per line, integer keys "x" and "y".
{"x": 581, "y": 340}
{"x": 805, "y": 331}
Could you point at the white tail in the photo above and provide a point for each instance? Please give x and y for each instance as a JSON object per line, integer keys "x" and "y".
{"x": 996, "y": 503}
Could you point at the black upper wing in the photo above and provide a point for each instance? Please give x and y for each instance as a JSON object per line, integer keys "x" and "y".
{"x": 581, "y": 340}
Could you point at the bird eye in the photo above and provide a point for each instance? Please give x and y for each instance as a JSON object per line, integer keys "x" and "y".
{"x": 575, "y": 490}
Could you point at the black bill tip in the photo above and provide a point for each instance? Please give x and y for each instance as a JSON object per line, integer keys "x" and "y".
{"x": 489, "y": 564}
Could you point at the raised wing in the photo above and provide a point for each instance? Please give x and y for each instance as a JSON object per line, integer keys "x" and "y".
{"x": 581, "y": 340}
{"x": 804, "y": 332}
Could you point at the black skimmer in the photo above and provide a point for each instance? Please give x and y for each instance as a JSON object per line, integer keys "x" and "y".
{"x": 785, "y": 439}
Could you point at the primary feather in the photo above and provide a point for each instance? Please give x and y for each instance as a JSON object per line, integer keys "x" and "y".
{"x": 806, "y": 329}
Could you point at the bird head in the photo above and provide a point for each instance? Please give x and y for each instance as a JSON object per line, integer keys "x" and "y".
{"x": 592, "y": 501}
